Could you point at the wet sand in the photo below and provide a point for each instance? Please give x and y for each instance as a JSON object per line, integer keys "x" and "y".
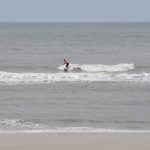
{"x": 75, "y": 141}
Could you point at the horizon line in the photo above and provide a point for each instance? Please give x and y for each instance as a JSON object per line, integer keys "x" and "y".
{"x": 74, "y": 21}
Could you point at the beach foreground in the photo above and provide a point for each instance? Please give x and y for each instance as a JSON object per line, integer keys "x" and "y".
{"x": 75, "y": 141}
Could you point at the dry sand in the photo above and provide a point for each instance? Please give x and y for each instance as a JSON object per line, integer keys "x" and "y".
{"x": 75, "y": 141}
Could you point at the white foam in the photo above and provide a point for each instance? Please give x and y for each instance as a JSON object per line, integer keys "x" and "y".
{"x": 73, "y": 130}
{"x": 21, "y": 126}
{"x": 98, "y": 67}
{"x": 18, "y": 124}
{"x": 47, "y": 78}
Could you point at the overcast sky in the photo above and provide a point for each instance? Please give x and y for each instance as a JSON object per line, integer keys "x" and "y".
{"x": 74, "y": 10}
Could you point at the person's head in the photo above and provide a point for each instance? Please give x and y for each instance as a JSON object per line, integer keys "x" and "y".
{"x": 64, "y": 59}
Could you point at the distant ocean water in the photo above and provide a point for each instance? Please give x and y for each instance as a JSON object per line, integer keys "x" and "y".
{"x": 106, "y": 89}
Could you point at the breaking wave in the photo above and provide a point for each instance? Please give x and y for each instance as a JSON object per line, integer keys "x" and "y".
{"x": 24, "y": 126}
{"x": 73, "y": 130}
{"x": 98, "y": 67}
{"x": 18, "y": 124}
{"x": 78, "y": 73}
{"x": 47, "y": 78}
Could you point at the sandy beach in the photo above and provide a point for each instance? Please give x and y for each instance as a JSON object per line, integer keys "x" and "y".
{"x": 74, "y": 141}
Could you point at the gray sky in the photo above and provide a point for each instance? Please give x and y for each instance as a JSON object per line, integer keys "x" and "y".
{"x": 74, "y": 10}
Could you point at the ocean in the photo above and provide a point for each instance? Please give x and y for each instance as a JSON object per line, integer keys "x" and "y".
{"x": 106, "y": 89}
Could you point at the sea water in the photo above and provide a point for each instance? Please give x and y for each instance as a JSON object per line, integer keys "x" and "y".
{"x": 105, "y": 90}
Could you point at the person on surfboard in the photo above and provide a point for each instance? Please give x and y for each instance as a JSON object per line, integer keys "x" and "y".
{"x": 66, "y": 63}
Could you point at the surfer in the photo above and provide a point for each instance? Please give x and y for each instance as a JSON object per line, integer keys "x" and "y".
{"x": 67, "y": 64}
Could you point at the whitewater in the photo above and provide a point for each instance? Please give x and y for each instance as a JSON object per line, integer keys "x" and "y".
{"x": 22, "y": 126}
{"x": 78, "y": 73}
{"x": 98, "y": 67}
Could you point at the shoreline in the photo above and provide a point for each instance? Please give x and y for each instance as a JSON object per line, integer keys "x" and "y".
{"x": 75, "y": 141}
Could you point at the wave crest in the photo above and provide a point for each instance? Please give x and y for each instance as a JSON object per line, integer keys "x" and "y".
{"x": 98, "y": 67}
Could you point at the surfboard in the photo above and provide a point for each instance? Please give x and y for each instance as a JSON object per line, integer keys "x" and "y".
{"x": 65, "y": 68}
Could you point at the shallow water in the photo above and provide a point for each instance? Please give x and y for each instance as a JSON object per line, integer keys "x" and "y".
{"x": 105, "y": 90}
